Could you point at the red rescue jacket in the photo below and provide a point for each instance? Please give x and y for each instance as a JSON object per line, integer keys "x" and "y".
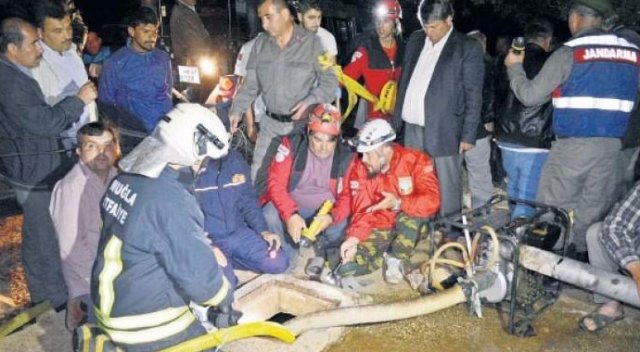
{"x": 371, "y": 62}
{"x": 287, "y": 167}
{"x": 411, "y": 177}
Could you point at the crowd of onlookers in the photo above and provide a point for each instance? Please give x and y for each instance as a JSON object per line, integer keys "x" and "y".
{"x": 119, "y": 243}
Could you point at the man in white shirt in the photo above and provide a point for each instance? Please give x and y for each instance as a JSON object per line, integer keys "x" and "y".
{"x": 61, "y": 72}
{"x": 254, "y": 115}
{"x": 310, "y": 17}
{"x": 440, "y": 96}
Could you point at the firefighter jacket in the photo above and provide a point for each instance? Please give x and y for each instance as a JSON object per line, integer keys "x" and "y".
{"x": 153, "y": 258}
{"x": 411, "y": 177}
{"x": 598, "y": 96}
{"x": 287, "y": 167}
{"x": 375, "y": 66}
{"x": 227, "y": 198}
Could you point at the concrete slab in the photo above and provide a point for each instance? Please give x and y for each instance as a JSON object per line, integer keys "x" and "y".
{"x": 48, "y": 334}
{"x": 268, "y": 295}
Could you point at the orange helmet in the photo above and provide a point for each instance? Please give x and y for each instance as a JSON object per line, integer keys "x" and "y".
{"x": 325, "y": 118}
{"x": 388, "y": 9}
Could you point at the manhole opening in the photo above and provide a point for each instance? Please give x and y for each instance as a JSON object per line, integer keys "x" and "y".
{"x": 281, "y": 317}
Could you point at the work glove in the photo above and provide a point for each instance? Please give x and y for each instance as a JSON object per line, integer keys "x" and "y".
{"x": 223, "y": 316}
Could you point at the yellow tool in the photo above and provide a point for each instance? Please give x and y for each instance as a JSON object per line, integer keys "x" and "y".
{"x": 351, "y": 85}
{"x": 311, "y": 232}
{"x": 387, "y": 101}
{"x": 226, "y": 335}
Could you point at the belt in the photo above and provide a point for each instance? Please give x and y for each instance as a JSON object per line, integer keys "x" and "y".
{"x": 278, "y": 117}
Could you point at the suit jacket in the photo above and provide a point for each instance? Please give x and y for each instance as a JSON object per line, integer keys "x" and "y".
{"x": 454, "y": 98}
{"x": 29, "y": 128}
{"x": 189, "y": 37}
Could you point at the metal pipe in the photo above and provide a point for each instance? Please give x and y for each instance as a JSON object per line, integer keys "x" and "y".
{"x": 618, "y": 287}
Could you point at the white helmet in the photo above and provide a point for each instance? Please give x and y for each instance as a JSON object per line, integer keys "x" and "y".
{"x": 373, "y": 134}
{"x": 187, "y": 134}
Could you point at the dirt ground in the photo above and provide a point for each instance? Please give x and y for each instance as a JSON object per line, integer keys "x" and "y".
{"x": 13, "y": 289}
{"x": 452, "y": 330}
{"x": 455, "y": 330}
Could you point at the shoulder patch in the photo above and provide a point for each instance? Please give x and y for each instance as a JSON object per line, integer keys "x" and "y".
{"x": 282, "y": 153}
{"x": 405, "y": 185}
{"x": 357, "y": 55}
{"x": 238, "y": 179}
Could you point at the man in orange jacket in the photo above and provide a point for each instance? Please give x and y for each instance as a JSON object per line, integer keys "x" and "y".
{"x": 392, "y": 190}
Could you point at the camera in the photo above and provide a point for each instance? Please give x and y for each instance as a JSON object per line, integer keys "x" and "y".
{"x": 518, "y": 45}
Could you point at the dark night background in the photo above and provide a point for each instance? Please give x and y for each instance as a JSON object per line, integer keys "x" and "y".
{"x": 493, "y": 17}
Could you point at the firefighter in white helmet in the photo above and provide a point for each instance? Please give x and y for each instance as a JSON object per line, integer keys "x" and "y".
{"x": 153, "y": 258}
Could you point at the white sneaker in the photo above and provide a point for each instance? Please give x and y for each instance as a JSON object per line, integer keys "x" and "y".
{"x": 392, "y": 269}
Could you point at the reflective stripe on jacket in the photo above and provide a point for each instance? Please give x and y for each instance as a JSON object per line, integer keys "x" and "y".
{"x": 599, "y": 94}
{"x": 153, "y": 259}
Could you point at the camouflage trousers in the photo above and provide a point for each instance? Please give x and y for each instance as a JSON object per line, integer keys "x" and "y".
{"x": 399, "y": 242}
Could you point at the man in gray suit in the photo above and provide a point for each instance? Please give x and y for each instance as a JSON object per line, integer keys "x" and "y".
{"x": 440, "y": 96}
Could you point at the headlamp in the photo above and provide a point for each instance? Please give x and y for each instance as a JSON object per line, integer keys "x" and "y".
{"x": 202, "y": 136}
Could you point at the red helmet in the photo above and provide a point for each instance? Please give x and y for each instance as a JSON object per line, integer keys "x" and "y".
{"x": 388, "y": 9}
{"x": 325, "y": 118}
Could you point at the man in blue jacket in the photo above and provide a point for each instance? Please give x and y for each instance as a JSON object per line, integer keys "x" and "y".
{"x": 233, "y": 218}
{"x": 137, "y": 78}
